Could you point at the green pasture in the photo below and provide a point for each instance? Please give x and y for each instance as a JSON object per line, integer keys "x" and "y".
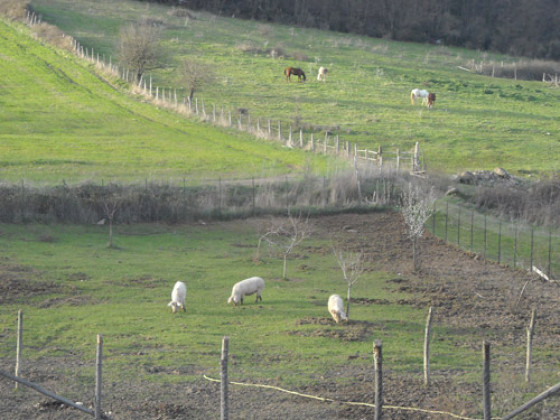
{"x": 59, "y": 121}
{"x": 123, "y": 293}
{"x": 478, "y": 122}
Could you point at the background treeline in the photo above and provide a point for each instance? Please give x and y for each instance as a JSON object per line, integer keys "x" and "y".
{"x": 516, "y": 27}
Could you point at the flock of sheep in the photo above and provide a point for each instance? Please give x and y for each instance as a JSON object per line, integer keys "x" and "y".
{"x": 248, "y": 287}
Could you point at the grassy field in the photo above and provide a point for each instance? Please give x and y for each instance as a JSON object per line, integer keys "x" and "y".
{"x": 60, "y": 121}
{"x": 113, "y": 289}
{"x": 478, "y": 122}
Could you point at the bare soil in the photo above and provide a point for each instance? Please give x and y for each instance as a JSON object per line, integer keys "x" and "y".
{"x": 464, "y": 290}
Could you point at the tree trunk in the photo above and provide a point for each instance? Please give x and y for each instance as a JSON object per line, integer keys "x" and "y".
{"x": 285, "y": 269}
{"x": 348, "y": 302}
{"x": 415, "y": 258}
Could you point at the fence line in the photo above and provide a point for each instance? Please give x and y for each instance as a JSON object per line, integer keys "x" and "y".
{"x": 517, "y": 245}
{"x": 378, "y": 404}
{"x": 336, "y": 147}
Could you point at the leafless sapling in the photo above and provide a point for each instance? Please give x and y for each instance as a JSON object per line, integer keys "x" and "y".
{"x": 416, "y": 210}
{"x": 352, "y": 266}
{"x": 285, "y": 235}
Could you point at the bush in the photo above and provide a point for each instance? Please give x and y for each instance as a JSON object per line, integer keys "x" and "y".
{"x": 172, "y": 204}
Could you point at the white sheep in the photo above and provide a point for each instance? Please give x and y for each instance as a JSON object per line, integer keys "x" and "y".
{"x": 246, "y": 287}
{"x": 336, "y": 308}
{"x": 178, "y": 296}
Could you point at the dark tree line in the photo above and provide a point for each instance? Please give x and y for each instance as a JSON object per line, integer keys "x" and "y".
{"x": 517, "y": 27}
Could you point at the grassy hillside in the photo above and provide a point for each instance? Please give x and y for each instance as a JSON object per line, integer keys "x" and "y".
{"x": 478, "y": 122}
{"x": 59, "y": 120}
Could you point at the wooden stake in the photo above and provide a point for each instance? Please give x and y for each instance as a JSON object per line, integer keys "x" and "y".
{"x": 427, "y": 348}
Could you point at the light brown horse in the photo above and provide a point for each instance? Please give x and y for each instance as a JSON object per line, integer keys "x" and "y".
{"x": 294, "y": 71}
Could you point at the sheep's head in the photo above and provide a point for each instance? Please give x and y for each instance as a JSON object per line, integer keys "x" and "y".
{"x": 233, "y": 299}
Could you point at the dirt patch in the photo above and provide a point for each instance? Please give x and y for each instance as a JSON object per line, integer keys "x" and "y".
{"x": 351, "y": 330}
{"x": 16, "y": 283}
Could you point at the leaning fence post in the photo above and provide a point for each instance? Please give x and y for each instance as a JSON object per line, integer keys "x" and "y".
{"x": 224, "y": 379}
{"x": 486, "y": 380}
{"x": 378, "y": 369}
{"x": 98, "y": 376}
{"x": 427, "y": 348}
{"x": 528, "y": 358}
{"x": 19, "y": 344}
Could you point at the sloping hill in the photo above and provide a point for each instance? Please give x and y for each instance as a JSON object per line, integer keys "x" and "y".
{"x": 478, "y": 122}
{"x": 59, "y": 120}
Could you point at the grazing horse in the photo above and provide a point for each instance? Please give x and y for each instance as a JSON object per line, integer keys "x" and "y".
{"x": 294, "y": 71}
{"x": 322, "y": 75}
{"x": 428, "y": 98}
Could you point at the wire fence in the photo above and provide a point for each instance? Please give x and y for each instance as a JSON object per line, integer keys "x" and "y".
{"x": 510, "y": 243}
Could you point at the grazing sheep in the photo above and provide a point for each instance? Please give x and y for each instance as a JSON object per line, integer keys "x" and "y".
{"x": 336, "y": 308}
{"x": 246, "y": 287}
{"x": 178, "y": 296}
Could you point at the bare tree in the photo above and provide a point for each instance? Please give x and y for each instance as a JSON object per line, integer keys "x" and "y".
{"x": 285, "y": 236}
{"x": 352, "y": 266}
{"x": 139, "y": 47}
{"x": 111, "y": 204}
{"x": 194, "y": 75}
{"x": 417, "y": 209}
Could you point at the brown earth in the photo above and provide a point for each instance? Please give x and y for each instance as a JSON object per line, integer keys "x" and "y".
{"x": 465, "y": 291}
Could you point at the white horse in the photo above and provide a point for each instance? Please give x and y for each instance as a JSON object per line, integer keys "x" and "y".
{"x": 428, "y": 98}
{"x": 322, "y": 75}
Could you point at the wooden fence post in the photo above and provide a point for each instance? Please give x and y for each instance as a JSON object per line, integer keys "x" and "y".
{"x": 224, "y": 379}
{"x": 427, "y": 349}
{"x": 499, "y": 242}
{"x": 459, "y": 227}
{"x": 549, "y": 253}
{"x": 528, "y": 357}
{"x": 532, "y": 244}
{"x": 486, "y": 380}
{"x": 98, "y": 377}
{"x": 378, "y": 369}
{"x": 337, "y": 145}
{"x": 19, "y": 344}
{"x": 446, "y": 218}
{"x": 472, "y": 229}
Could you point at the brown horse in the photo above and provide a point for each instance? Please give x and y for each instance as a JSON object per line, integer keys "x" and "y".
{"x": 294, "y": 71}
